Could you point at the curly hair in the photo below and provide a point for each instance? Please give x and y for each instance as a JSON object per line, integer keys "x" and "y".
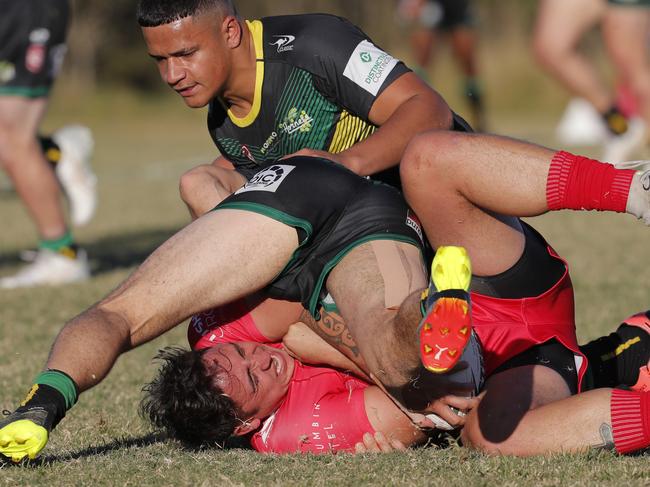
{"x": 152, "y": 13}
{"x": 184, "y": 401}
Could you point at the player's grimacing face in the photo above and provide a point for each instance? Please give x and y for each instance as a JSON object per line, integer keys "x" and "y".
{"x": 192, "y": 57}
{"x": 255, "y": 376}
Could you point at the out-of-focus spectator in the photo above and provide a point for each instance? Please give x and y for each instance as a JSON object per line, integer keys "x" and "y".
{"x": 432, "y": 19}
{"x": 625, "y": 26}
{"x": 32, "y": 47}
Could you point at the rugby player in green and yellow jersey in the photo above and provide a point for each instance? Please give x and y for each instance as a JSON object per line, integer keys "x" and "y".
{"x": 279, "y": 85}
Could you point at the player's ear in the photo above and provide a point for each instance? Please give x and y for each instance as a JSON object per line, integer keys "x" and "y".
{"x": 232, "y": 29}
{"x": 247, "y": 426}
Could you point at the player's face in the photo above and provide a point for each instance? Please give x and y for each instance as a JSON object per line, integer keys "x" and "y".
{"x": 256, "y": 377}
{"x": 193, "y": 56}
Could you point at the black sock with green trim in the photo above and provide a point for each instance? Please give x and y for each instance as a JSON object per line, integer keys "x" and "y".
{"x": 53, "y": 393}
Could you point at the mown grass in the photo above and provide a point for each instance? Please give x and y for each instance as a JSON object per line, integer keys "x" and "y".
{"x": 142, "y": 148}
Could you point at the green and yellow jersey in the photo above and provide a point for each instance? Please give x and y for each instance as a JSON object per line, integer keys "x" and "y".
{"x": 317, "y": 78}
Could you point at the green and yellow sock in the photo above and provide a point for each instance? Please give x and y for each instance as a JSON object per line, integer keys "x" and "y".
{"x": 64, "y": 245}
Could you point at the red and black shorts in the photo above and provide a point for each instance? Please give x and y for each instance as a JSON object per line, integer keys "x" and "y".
{"x": 525, "y": 316}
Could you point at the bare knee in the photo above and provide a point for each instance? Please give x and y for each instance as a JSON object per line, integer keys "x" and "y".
{"x": 430, "y": 157}
{"x": 191, "y": 183}
{"x": 14, "y": 145}
{"x": 550, "y": 52}
{"x": 473, "y": 437}
{"x": 491, "y": 427}
{"x": 540, "y": 51}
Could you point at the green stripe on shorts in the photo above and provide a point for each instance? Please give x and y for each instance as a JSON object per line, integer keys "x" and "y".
{"x": 272, "y": 213}
{"x": 629, "y": 3}
{"x": 24, "y": 92}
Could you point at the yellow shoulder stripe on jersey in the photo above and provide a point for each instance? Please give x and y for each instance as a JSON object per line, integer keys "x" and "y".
{"x": 349, "y": 131}
{"x": 257, "y": 31}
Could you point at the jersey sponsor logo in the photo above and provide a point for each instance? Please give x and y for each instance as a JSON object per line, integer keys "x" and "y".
{"x": 203, "y": 322}
{"x": 246, "y": 152}
{"x": 295, "y": 122}
{"x": 267, "y": 180}
{"x": 369, "y": 66}
{"x": 413, "y": 222}
{"x": 269, "y": 142}
{"x": 284, "y": 42}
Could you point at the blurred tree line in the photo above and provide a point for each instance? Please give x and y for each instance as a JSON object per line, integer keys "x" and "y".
{"x": 106, "y": 47}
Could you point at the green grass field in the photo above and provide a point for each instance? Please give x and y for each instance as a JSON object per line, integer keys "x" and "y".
{"x": 143, "y": 146}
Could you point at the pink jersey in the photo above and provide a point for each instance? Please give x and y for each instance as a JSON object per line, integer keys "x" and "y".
{"x": 227, "y": 324}
{"x": 324, "y": 409}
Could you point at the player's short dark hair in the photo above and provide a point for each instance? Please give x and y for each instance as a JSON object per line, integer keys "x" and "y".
{"x": 184, "y": 401}
{"x": 152, "y": 13}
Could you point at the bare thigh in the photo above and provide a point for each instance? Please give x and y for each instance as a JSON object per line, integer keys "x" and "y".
{"x": 561, "y": 23}
{"x": 19, "y": 120}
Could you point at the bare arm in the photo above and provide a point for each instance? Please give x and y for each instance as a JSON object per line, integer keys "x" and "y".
{"x": 390, "y": 420}
{"x": 205, "y": 186}
{"x": 309, "y": 348}
{"x": 407, "y": 107}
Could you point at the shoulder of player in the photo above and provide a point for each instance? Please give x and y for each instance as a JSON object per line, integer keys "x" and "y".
{"x": 296, "y": 38}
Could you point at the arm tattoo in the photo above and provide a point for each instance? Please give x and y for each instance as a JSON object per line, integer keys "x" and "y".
{"x": 606, "y": 435}
{"x": 333, "y": 330}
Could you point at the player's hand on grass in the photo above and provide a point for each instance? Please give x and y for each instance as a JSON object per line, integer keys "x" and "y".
{"x": 378, "y": 443}
{"x": 24, "y": 433}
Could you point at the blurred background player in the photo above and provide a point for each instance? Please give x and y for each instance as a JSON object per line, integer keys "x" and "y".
{"x": 32, "y": 48}
{"x": 430, "y": 19}
{"x": 625, "y": 27}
